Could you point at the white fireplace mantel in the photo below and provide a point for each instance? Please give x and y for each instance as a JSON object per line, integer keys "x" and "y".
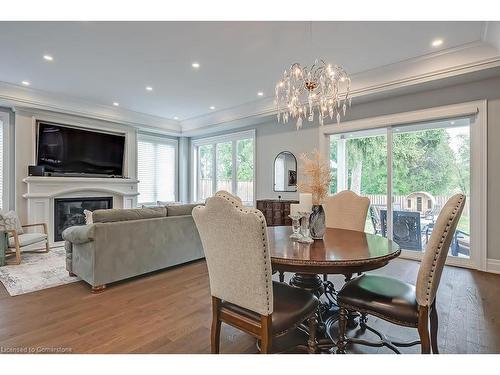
{"x": 42, "y": 191}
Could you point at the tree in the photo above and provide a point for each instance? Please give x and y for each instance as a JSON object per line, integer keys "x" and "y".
{"x": 422, "y": 160}
{"x": 245, "y": 160}
{"x": 461, "y": 163}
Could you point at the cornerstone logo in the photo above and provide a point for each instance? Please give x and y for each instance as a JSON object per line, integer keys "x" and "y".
{"x": 33, "y": 350}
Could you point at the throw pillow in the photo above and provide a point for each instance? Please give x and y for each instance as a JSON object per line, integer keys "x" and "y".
{"x": 10, "y": 221}
{"x": 88, "y": 217}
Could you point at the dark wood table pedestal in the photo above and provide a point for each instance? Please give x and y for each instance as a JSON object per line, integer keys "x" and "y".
{"x": 341, "y": 252}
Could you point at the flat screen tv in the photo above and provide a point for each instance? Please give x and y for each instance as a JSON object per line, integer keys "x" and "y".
{"x": 65, "y": 150}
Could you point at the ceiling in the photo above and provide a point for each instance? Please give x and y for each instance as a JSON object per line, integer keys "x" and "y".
{"x": 106, "y": 62}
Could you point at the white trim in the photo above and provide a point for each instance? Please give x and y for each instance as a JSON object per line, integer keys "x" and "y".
{"x": 471, "y": 62}
{"x": 493, "y": 265}
{"x": 33, "y": 100}
{"x": 479, "y": 172}
{"x": 479, "y": 186}
{"x": 429, "y": 114}
{"x": 389, "y": 161}
{"x": 224, "y": 138}
{"x": 230, "y": 137}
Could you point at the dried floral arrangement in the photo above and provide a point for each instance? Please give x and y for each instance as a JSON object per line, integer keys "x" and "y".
{"x": 315, "y": 176}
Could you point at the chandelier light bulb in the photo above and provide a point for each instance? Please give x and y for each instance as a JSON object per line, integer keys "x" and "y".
{"x": 322, "y": 88}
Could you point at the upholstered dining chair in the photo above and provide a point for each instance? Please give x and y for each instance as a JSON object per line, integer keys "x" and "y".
{"x": 244, "y": 296}
{"x": 20, "y": 241}
{"x": 346, "y": 210}
{"x": 399, "y": 302}
{"x": 233, "y": 198}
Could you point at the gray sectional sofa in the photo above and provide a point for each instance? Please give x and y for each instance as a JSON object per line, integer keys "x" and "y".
{"x": 123, "y": 243}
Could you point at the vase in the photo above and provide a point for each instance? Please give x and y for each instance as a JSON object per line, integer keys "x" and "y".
{"x": 317, "y": 222}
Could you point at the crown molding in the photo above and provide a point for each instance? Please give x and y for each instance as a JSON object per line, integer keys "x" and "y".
{"x": 29, "y": 100}
{"x": 403, "y": 76}
{"x": 432, "y": 70}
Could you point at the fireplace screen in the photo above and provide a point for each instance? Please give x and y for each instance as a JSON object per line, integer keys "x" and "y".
{"x": 69, "y": 212}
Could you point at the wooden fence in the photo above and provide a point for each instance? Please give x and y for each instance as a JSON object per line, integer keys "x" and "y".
{"x": 245, "y": 188}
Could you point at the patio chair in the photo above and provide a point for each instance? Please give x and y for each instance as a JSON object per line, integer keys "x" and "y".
{"x": 375, "y": 218}
{"x": 406, "y": 228}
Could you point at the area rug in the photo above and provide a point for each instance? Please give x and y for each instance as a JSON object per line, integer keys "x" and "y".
{"x": 37, "y": 271}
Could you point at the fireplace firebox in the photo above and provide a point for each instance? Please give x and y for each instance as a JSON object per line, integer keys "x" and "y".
{"x": 69, "y": 212}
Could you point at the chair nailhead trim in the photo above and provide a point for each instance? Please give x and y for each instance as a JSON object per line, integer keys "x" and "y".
{"x": 440, "y": 247}
{"x": 264, "y": 245}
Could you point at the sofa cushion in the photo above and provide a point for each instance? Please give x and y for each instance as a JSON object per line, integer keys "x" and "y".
{"x": 26, "y": 239}
{"x": 180, "y": 209}
{"x": 119, "y": 214}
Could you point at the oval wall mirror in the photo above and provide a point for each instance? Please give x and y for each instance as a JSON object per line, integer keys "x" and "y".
{"x": 285, "y": 172}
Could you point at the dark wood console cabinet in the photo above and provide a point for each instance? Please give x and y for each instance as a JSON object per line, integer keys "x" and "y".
{"x": 275, "y": 211}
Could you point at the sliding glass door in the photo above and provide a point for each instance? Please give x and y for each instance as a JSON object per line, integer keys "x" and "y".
{"x": 408, "y": 173}
{"x": 359, "y": 163}
{"x": 431, "y": 162}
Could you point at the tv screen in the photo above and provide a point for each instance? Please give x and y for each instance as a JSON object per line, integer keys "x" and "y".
{"x": 67, "y": 150}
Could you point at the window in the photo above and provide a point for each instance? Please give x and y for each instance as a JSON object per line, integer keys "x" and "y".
{"x": 224, "y": 163}
{"x": 156, "y": 169}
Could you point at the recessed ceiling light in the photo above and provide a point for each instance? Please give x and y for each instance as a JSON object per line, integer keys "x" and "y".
{"x": 48, "y": 57}
{"x": 195, "y": 65}
{"x": 437, "y": 42}
{"x": 149, "y": 88}
{"x": 116, "y": 104}
{"x": 452, "y": 122}
{"x": 212, "y": 107}
{"x": 26, "y": 83}
{"x": 176, "y": 118}
{"x": 260, "y": 93}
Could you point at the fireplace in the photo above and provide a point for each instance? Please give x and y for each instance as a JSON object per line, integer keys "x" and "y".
{"x": 69, "y": 212}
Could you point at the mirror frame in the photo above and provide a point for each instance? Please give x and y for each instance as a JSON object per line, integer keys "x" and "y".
{"x": 274, "y": 172}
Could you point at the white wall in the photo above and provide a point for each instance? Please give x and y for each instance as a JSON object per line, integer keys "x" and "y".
{"x": 273, "y": 138}
{"x": 25, "y": 146}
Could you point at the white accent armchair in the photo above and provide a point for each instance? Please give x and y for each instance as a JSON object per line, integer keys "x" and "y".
{"x": 20, "y": 241}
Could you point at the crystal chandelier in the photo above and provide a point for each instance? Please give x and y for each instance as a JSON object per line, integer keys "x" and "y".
{"x": 303, "y": 91}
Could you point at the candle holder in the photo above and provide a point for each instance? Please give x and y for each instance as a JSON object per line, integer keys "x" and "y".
{"x": 304, "y": 228}
{"x": 295, "y": 226}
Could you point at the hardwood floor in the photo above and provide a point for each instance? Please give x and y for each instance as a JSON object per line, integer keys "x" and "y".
{"x": 169, "y": 312}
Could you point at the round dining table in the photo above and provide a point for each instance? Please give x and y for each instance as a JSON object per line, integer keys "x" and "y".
{"x": 341, "y": 252}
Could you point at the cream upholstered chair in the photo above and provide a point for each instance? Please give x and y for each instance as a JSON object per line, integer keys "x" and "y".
{"x": 231, "y": 197}
{"x": 20, "y": 241}
{"x": 239, "y": 266}
{"x": 399, "y": 302}
{"x": 346, "y": 210}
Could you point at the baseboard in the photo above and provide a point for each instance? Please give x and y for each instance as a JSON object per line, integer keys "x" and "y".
{"x": 493, "y": 265}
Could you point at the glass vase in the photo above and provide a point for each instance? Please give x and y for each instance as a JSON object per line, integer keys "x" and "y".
{"x": 317, "y": 222}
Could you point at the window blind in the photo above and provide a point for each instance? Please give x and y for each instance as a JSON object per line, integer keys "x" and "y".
{"x": 156, "y": 164}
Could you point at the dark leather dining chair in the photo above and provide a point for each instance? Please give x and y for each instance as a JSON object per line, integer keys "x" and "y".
{"x": 399, "y": 302}
{"x": 244, "y": 296}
